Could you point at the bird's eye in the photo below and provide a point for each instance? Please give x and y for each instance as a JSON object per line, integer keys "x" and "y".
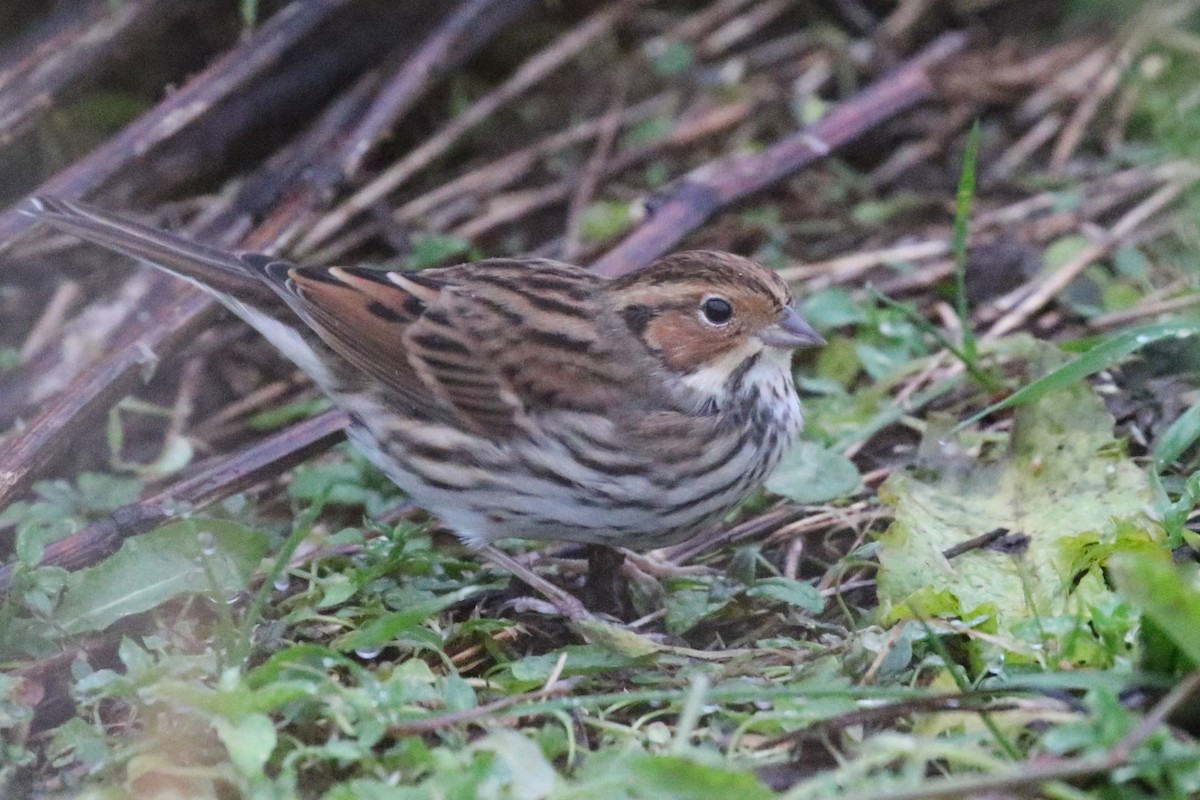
{"x": 716, "y": 310}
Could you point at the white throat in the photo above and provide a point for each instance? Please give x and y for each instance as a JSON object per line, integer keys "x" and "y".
{"x": 770, "y": 378}
{"x": 710, "y": 381}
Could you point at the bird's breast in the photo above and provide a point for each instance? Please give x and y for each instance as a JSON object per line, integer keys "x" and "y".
{"x": 587, "y": 477}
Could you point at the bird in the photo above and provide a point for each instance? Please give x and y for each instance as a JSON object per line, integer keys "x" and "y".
{"x": 525, "y": 397}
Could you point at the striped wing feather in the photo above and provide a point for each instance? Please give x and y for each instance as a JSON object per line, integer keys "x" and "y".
{"x": 487, "y": 344}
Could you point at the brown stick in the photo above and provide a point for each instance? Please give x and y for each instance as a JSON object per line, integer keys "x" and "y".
{"x": 86, "y": 36}
{"x": 714, "y": 186}
{"x": 229, "y": 474}
{"x": 589, "y": 180}
{"x": 180, "y": 109}
{"x": 457, "y": 37}
{"x": 534, "y": 70}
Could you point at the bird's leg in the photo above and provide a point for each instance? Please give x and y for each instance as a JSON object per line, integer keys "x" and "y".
{"x": 604, "y": 589}
{"x": 567, "y": 604}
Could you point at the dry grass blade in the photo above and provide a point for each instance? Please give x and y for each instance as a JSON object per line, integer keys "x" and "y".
{"x": 742, "y": 27}
{"x": 88, "y": 37}
{"x": 529, "y": 74}
{"x": 850, "y": 266}
{"x": 1149, "y": 308}
{"x": 51, "y": 320}
{"x": 508, "y": 208}
{"x": 1073, "y": 131}
{"x": 1042, "y": 293}
{"x": 466, "y": 28}
{"x": 704, "y": 191}
{"x": 702, "y": 22}
{"x": 489, "y": 177}
{"x": 183, "y": 108}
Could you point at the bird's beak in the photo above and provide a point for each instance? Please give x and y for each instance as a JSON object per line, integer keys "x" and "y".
{"x": 791, "y": 331}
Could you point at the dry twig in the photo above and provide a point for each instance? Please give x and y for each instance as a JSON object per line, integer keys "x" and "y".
{"x": 529, "y": 74}
{"x": 707, "y": 190}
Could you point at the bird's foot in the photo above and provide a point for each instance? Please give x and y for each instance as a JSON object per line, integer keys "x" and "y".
{"x": 567, "y": 604}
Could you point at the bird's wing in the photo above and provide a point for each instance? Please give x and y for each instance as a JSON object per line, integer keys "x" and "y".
{"x": 386, "y": 325}
{"x": 493, "y": 342}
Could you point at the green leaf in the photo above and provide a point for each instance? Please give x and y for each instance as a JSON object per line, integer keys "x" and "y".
{"x": 1131, "y": 262}
{"x": 249, "y": 9}
{"x": 1102, "y": 356}
{"x": 101, "y": 492}
{"x": 31, "y": 544}
{"x": 1120, "y": 295}
{"x": 675, "y": 58}
{"x": 432, "y": 249}
{"x": 176, "y": 454}
{"x": 87, "y": 745}
{"x": 536, "y": 670}
{"x": 1065, "y": 484}
{"x": 688, "y": 605}
{"x": 837, "y": 363}
{"x": 106, "y": 110}
{"x": 1063, "y": 250}
{"x": 304, "y": 660}
{"x": 605, "y": 219}
{"x": 151, "y": 569}
{"x": 786, "y": 590}
{"x": 680, "y": 777}
{"x": 459, "y": 694}
{"x": 279, "y": 416}
{"x": 1167, "y": 594}
{"x": 386, "y": 630}
{"x": 10, "y": 358}
{"x": 249, "y": 740}
{"x": 1177, "y": 438}
{"x": 647, "y": 132}
{"x": 617, "y": 639}
{"x": 519, "y": 762}
{"x": 336, "y": 590}
{"x": 810, "y": 473}
{"x": 832, "y": 308}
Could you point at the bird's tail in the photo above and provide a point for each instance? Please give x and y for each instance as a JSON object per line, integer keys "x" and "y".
{"x": 212, "y": 269}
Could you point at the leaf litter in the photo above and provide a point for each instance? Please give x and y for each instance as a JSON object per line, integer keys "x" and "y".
{"x": 1064, "y": 494}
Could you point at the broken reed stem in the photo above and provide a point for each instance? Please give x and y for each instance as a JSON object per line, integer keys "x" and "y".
{"x": 593, "y": 171}
{"x": 706, "y": 190}
{"x": 529, "y": 74}
{"x": 1039, "y": 294}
